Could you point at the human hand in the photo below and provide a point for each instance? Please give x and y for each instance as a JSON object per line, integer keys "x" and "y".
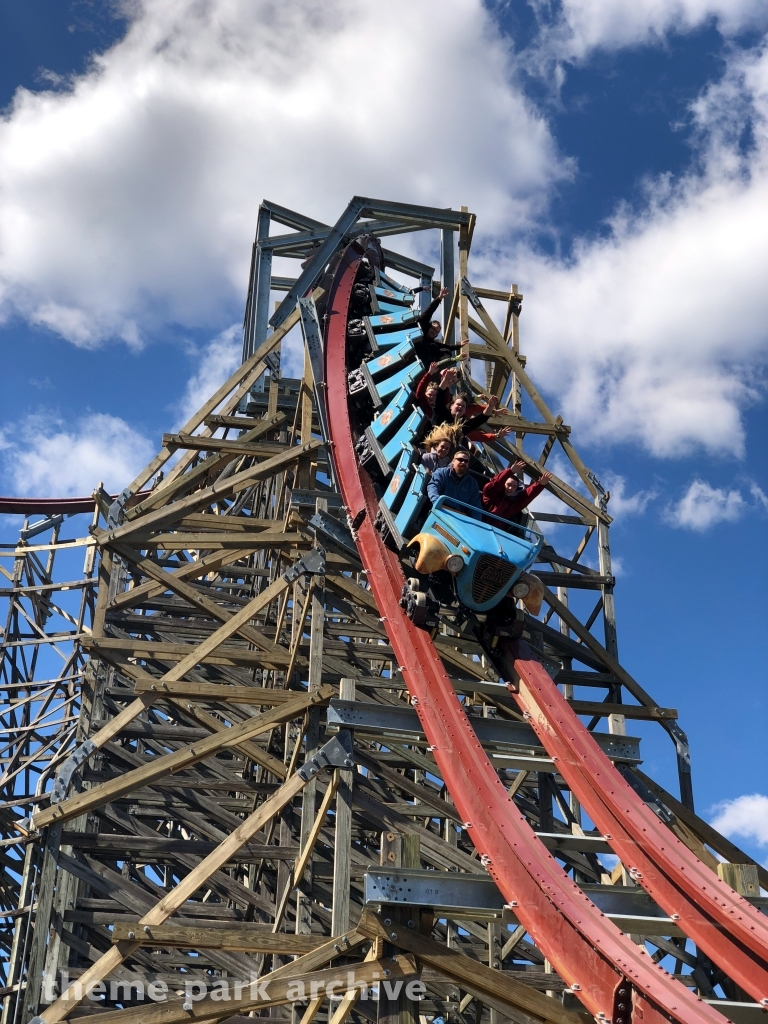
{"x": 493, "y": 402}
{"x": 443, "y": 293}
{"x": 503, "y": 431}
{"x": 517, "y": 466}
{"x": 448, "y": 376}
{"x": 433, "y": 368}
{"x": 546, "y": 477}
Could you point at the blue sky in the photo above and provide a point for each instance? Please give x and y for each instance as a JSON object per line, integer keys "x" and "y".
{"x": 617, "y": 157}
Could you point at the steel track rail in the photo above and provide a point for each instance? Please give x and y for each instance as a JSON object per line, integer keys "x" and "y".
{"x": 732, "y": 932}
{"x": 586, "y": 949}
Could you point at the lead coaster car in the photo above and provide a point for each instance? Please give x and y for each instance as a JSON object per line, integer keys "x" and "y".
{"x": 487, "y": 557}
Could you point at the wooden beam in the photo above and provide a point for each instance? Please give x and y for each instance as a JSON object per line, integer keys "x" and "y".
{"x": 495, "y": 293}
{"x": 251, "y": 750}
{"x": 230, "y": 446}
{"x": 234, "y": 937}
{"x": 229, "y": 628}
{"x": 176, "y": 898}
{"x": 195, "y": 597}
{"x": 652, "y": 713}
{"x": 342, "y": 858}
{"x": 168, "y": 764}
{"x": 598, "y": 650}
{"x": 240, "y": 382}
{"x": 215, "y": 539}
{"x": 303, "y": 859}
{"x": 219, "y": 693}
{"x": 493, "y": 987}
{"x": 168, "y": 489}
{"x": 191, "y": 570}
{"x": 275, "y": 991}
{"x": 165, "y": 650}
{"x": 207, "y": 495}
{"x": 253, "y": 371}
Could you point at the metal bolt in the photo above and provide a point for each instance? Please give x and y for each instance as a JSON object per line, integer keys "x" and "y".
{"x": 131, "y": 935}
{"x": 187, "y": 1007}
{"x": 393, "y": 959}
{"x": 146, "y": 929}
{"x": 387, "y": 972}
{"x": 411, "y": 924}
{"x": 387, "y": 921}
{"x": 393, "y": 935}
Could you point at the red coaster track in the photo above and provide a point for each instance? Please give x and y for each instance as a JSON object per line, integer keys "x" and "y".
{"x": 615, "y": 979}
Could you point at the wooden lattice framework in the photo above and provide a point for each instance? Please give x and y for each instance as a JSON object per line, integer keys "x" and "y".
{"x": 181, "y": 680}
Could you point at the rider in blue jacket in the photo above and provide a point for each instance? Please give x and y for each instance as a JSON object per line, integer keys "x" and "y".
{"x": 455, "y": 482}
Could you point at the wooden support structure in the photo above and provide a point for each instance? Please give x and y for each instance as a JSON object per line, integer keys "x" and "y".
{"x": 164, "y": 698}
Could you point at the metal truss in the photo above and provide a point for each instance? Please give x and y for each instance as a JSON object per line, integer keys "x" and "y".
{"x": 212, "y": 767}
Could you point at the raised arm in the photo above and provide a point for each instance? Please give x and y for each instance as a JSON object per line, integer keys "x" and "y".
{"x": 429, "y": 312}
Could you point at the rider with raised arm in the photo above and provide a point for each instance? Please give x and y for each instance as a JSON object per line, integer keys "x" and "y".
{"x": 506, "y": 496}
{"x": 427, "y": 395}
{"x": 428, "y": 348}
{"x": 455, "y": 408}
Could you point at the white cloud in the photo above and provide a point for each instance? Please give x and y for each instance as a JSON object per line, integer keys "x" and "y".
{"x": 703, "y": 506}
{"x": 130, "y": 201}
{"x": 761, "y": 498}
{"x": 656, "y": 334}
{"x": 218, "y": 362}
{"x": 622, "y": 504}
{"x": 744, "y": 816}
{"x": 584, "y": 25}
{"x": 42, "y": 457}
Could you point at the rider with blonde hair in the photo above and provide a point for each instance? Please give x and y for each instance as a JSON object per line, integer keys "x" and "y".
{"x": 440, "y": 444}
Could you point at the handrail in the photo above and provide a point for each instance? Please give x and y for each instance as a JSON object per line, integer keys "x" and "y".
{"x": 506, "y": 524}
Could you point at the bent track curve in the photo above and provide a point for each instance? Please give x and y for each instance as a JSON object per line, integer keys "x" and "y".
{"x": 720, "y": 921}
{"x": 585, "y": 948}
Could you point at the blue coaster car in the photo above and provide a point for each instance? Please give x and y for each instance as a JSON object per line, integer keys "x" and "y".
{"x": 486, "y": 555}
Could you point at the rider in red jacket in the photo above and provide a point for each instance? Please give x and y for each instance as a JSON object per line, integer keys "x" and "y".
{"x": 428, "y": 389}
{"x": 505, "y": 495}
